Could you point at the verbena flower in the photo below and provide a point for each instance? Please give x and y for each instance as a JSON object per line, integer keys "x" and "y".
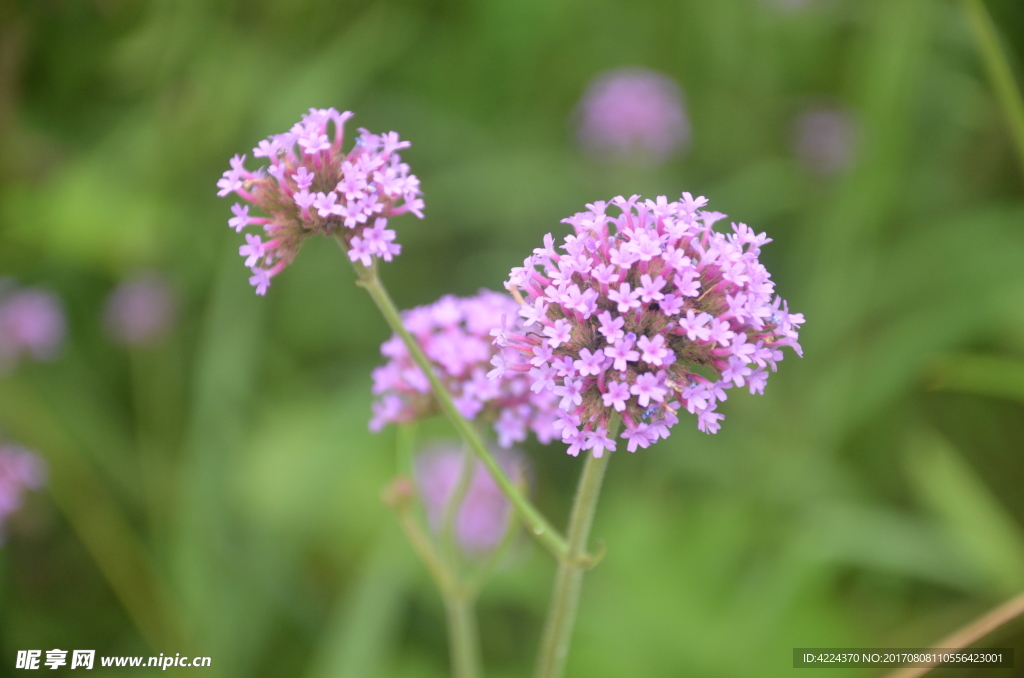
{"x": 482, "y": 519}
{"x": 456, "y": 335}
{"x": 311, "y": 186}
{"x": 824, "y": 139}
{"x": 642, "y": 314}
{"x": 31, "y": 322}
{"x": 19, "y": 470}
{"x": 633, "y": 112}
{"x": 140, "y": 311}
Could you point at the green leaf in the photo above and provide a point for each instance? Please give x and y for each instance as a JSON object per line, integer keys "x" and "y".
{"x": 984, "y": 530}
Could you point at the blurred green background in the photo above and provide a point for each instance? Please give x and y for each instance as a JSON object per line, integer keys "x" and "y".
{"x": 217, "y": 494}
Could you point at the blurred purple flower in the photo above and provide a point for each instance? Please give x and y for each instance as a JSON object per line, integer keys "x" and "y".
{"x": 31, "y": 321}
{"x": 633, "y": 112}
{"x": 140, "y": 311}
{"x": 483, "y": 517}
{"x": 456, "y": 334}
{"x": 19, "y": 470}
{"x": 824, "y": 139}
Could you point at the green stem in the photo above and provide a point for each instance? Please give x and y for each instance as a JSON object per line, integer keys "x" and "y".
{"x": 463, "y": 639}
{"x": 999, "y": 71}
{"x": 565, "y": 599}
{"x": 405, "y": 444}
{"x": 476, "y": 580}
{"x": 531, "y": 517}
{"x": 424, "y": 547}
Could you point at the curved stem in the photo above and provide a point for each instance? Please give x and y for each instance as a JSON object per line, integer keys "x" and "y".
{"x": 459, "y": 599}
{"x": 443, "y": 576}
{"x": 476, "y": 580}
{"x": 971, "y": 633}
{"x": 463, "y": 638}
{"x": 404, "y": 446}
{"x": 449, "y": 539}
{"x": 554, "y": 649}
{"x": 531, "y": 517}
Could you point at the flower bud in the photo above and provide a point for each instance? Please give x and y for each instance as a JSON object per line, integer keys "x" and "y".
{"x": 482, "y": 519}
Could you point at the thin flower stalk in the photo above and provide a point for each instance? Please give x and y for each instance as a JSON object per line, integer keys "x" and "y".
{"x": 973, "y": 632}
{"x": 565, "y": 599}
{"x": 463, "y": 638}
{"x": 537, "y": 525}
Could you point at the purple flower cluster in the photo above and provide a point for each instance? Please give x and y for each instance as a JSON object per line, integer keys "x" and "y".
{"x": 483, "y": 517}
{"x": 31, "y": 322}
{"x": 642, "y": 314}
{"x": 140, "y": 311}
{"x": 825, "y": 139}
{"x": 313, "y": 187}
{"x": 19, "y": 469}
{"x": 455, "y": 334}
{"x": 633, "y": 112}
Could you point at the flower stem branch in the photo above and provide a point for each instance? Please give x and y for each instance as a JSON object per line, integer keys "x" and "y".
{"x": 463, "y": 638}
{"x": 994, "y": 57}
{"x": 531, "y": 517}
{"x": 424, "y": 547}
{"x": 475, "y": 580}
{"x": 565, "y": 599}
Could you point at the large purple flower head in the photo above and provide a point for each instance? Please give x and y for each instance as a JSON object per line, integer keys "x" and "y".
{"x": 312, "y": 186}
{"x": 483, "y": 517}
{"x": 456, "y": 334}
{"x": 31, "y": 322}
{"x": 19, "y": 470}
{"x": 633, "y": 112}
{"x": 642, "y": 314}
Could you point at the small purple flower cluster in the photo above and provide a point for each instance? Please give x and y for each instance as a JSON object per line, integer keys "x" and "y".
{"x": 19, "y": 469}
{"x": 825, "y": 139}
{"x": 140, "y": 311}
{"x": 633, "y": 112}
{"x": 483, "y": 517}
{"x": 455, "y": 334}
{"x": 641, "y": 314}
{"x": 31, "y": 322}
{"x": 313, "y": 187}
